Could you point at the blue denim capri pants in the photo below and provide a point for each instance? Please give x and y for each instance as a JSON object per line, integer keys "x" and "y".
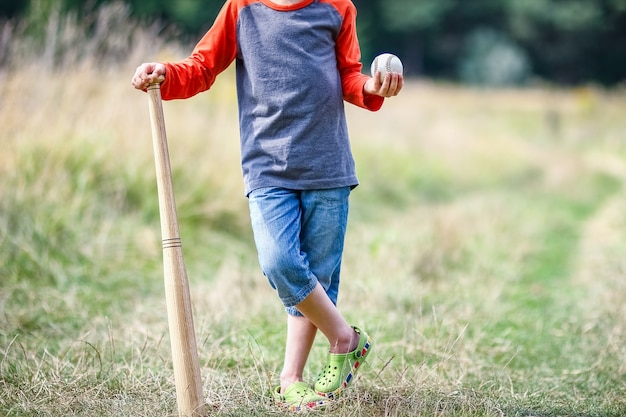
{"x": 299, "y": 235}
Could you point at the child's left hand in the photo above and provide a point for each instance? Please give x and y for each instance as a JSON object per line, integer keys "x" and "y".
{"x": 389, "y": 87}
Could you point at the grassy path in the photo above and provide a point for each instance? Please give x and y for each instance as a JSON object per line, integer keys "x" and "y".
{"x": 485, "y": 256}
{"x": 544, "y": 318}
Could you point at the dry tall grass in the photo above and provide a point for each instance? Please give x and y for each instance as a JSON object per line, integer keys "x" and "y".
{"x": 464, "y": 195}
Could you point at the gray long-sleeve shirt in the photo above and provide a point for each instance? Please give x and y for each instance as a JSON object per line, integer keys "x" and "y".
{"x": 295, "y": 66}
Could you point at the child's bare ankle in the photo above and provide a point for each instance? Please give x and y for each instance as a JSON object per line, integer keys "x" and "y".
{"x": 346, "y": 344}
{"x": 287, "y": 381}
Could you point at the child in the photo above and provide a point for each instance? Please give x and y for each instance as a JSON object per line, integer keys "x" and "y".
{"x": 296, "y": 62}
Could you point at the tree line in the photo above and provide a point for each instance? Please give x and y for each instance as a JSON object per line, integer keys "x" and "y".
{"x": 488, "y": 42}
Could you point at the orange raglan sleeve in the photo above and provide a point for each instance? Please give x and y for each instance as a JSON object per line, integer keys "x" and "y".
{"x": 212, "y": 55}
{"x": 349, "y": 64}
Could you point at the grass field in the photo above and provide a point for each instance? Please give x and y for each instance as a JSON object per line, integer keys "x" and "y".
{"x": 486, "y": 253}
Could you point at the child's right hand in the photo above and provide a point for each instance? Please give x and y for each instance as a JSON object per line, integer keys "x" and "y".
{"x": 148, "y": 73}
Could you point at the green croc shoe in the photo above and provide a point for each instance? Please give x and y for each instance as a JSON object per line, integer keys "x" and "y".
{"x": 299, "y": 396}
{"x": 342, "y": 368}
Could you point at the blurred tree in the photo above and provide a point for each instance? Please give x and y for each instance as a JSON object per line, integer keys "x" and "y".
{"x": 610, "y": 59}
{"x": 190, "y": 16}
{"x": 567, "y": 41}
{"x": 558, "y": 35}
{"x": 415, "y": 21}
{"x": 492, "y": 58}
{"x": 446, "y": 40}
{"x": 11, "y": 8}
{"x": 197, "y": 17}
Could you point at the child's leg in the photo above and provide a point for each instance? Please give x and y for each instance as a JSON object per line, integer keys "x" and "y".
{"x": 300, "y": 337}
{"x": 299, "y": 236}
{"x": 323, "y": 230}
{"x": 276, "y": 216}
{"x": 324, "y": 222}
{"x": 320, "y": 313}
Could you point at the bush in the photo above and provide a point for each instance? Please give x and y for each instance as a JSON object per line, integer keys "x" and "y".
{"x": 493, "y": 59}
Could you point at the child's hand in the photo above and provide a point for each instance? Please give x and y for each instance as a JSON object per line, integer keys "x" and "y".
{"x": 389, "y": 87}
{"x": 148, "y": 73}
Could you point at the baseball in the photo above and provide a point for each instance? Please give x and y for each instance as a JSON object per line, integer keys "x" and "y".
{"x": 386, "y": 63}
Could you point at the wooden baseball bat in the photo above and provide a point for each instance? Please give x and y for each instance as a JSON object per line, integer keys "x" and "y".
{"x": 187, "y": 378}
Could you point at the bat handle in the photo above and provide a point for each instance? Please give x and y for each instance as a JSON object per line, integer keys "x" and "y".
{"x": 157, "y": 81}
{"x": 167, "y": 202}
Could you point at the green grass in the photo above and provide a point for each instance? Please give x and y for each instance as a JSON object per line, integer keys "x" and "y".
{"x": 485, "y": 254}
